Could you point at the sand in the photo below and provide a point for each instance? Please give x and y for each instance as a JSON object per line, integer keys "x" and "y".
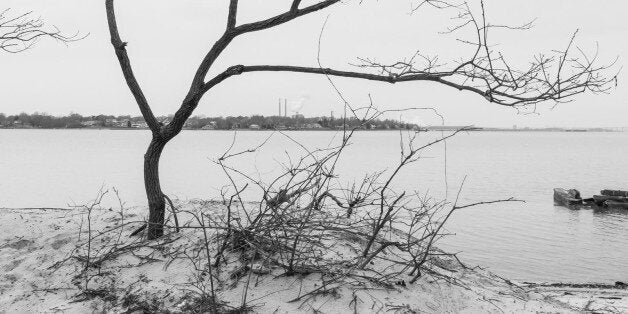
{"x": 39, "y": 275}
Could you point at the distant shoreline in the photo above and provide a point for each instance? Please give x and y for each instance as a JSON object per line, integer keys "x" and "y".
{"x": 429, "y": 129}
{"x": 296, "y": 122}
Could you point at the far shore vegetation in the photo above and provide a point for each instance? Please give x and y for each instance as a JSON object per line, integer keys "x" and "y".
{"x": 294, "y": 122}
{"x": 255, "y": 122}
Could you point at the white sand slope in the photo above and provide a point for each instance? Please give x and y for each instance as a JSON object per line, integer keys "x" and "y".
{"x": 33, "y": 243}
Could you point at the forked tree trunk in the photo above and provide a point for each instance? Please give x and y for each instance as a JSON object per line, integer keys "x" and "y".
{"x": 156, "y": 202}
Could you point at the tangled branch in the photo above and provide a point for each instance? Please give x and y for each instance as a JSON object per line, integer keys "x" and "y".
{"x": 21, "y": 32}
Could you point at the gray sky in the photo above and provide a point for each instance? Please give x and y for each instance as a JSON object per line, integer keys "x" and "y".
{"x": 167, "y": 40}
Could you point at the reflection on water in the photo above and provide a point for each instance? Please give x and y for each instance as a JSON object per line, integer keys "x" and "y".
{"x": 533, "y": 241}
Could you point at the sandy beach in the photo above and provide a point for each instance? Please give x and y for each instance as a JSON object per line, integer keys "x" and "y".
{"x": 41, "y": 273}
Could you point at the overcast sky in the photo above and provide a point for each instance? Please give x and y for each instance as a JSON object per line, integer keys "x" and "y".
{"x": 167, "y": 40}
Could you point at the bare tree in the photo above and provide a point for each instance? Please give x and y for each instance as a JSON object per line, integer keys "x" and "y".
{"x": 20, "y": 32}
{"x": 485, "y": 73}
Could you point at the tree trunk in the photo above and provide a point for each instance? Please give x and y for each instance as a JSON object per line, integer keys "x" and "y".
{"x": 156, "y": 202}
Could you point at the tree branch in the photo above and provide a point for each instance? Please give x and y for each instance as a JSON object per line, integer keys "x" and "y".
{"x": 20, "y": 32}
{"x": 199, "y": 87}
{"x": 239, "y": 69}
{"x": 123, "y": 58}
{"x": 285, "y": 17}
{"x": 295, "y": 5}
{"x": 233, "y": 12}
{"x": 195, "y": 92}
{"x": 578, "y": 83}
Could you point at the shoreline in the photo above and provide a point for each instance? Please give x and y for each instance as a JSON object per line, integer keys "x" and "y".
{"x": 549, "y": 130}
{"x": 35, "y": 241}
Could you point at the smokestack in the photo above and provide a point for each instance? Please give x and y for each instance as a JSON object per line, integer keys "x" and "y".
{"x": 280, "y": 107}
{"x": 285, "y": 107}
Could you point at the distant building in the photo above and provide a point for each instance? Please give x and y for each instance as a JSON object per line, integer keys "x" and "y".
{"x": 90, "y": 123}
{"x": 210, "y": 126}
{"x": 22, "y": 125}
{"x": 254, "y": 127}
{"x": 115, "y": 123}
{"x": 313, "y": 126}
{"x": 139, "y": 125}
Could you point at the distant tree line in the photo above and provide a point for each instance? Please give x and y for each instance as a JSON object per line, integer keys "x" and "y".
{"x": 72, "y": 121}
{"x": 46, "y": 121}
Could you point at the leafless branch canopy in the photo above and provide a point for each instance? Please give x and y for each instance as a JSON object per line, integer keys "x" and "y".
{"x": 554, "y": 78}
{"x": 20, "y": 32}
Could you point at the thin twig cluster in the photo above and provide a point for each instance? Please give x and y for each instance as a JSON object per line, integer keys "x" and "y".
{"x": 309, "y": 222}
{"x": 554, "y": 77}
{"x": 20, "y": 32}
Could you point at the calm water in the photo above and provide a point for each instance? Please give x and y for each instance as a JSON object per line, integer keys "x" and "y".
{"x": 533, "y": 241}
